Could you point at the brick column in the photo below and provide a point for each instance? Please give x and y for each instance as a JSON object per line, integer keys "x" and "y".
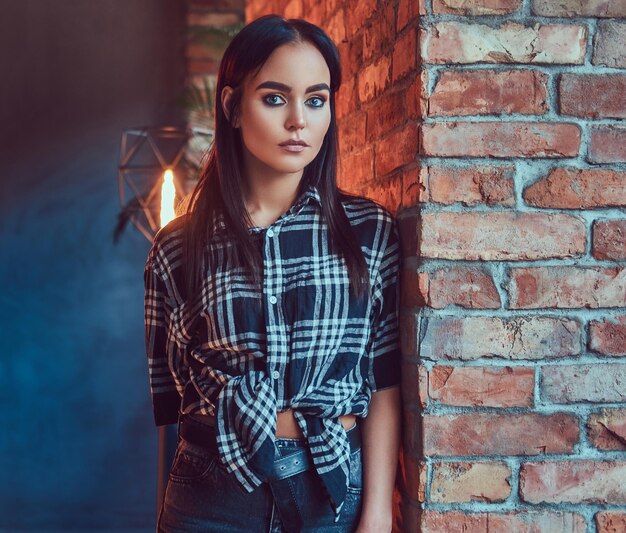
{"x": 494, "y": 130}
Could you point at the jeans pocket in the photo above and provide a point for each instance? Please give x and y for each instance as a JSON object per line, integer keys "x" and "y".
{"x": 355, "y": 478}
{"x": 191, "y": 463}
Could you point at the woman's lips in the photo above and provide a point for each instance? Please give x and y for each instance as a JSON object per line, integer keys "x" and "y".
{"x": 293, "y": 147}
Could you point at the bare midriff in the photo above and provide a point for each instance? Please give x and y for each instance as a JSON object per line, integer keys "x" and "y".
{"x": 286, "y": 425}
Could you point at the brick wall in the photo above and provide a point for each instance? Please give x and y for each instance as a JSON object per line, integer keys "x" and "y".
{"x": 494, "y": 129}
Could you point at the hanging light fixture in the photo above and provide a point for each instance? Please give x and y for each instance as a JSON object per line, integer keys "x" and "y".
{"x": 158, "y": 167}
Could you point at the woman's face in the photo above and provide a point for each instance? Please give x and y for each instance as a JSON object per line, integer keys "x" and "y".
{"x": 288, "y": 99}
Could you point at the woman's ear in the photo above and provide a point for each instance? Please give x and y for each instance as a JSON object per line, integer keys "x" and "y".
{"x": 226, "y": 96}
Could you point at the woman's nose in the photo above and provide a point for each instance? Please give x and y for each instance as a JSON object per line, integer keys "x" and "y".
{"x": 296, "y": 117}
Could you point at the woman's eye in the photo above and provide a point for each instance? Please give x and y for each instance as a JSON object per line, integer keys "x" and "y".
{"x": 273, "y": 99}
{"x": 319, "y": 102}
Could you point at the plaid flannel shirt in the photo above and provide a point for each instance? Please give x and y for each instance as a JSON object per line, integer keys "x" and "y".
{"x": 304, "y": 343}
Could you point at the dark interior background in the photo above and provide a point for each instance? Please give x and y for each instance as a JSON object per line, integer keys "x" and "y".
{"x": 77, "y": 440}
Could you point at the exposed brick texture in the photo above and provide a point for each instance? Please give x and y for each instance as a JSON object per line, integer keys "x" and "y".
{"x": 609, "y": 240}
{"x": 571, "y": 188}
{"x": 457, "y": 42}
{"x": 476, "y": 7}
{"x": 519, "y": 522}
{"x": 500, "y": 139}
{"x": 472, "y": 337}
{"x": 567, "y": 287}
{"x": 491, "y": 185}
{"x": 608, "y": 337}
{"x": 610, "y": 44}
{"x": 465, "y": 482}
{"x": 488, "y": 92}
{"x": 501, "y": 236}
{"x": 501, "y": 434}
{"x": 584, "y": 383}
{"x": 579, "y": 8}
{"x": 484, "y": 386}
{"x": 468, "y": 287}
{"x": 607, "y": 429}
{"x": 610, "y": 521}
{"x": 609, "y": 95}
{"x": 573, "y": 482}
{"x": 608, "y": 144}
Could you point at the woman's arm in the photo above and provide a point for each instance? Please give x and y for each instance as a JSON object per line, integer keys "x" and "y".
{"x": 381, "y": 434}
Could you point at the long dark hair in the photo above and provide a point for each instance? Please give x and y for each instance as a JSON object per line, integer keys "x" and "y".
{"x": 222, "y": 179}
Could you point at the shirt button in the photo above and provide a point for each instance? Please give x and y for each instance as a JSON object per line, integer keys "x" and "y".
{"x": 270, "y": 233}
{"x": 273, "y": 299}
{"x": 276, "y": 374}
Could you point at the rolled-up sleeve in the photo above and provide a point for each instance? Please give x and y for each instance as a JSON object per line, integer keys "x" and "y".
{"x": 385, "y": 356}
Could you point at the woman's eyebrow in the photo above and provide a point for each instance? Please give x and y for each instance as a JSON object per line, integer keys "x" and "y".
{"x": 285, "y": 88}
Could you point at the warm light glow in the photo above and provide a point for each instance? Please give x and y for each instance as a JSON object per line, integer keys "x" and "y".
{"x": 168, "y": 194}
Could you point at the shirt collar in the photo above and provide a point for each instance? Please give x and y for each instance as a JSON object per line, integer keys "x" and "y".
{"x": 309, "y": 194}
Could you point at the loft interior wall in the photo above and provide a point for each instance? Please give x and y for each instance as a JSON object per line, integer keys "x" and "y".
{"x": 77, "y": 440}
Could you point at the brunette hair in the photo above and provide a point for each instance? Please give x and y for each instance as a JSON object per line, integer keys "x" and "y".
{"x": 221, "y": 179}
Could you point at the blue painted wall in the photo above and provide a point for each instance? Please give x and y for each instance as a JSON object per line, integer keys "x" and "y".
{"x": 77, "y": 439}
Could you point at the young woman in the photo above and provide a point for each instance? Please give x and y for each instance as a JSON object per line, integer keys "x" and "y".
{"x": 271, "y": 311}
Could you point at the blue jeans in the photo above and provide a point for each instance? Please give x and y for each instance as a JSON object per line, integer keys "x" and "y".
{"x": 201, "y": 496}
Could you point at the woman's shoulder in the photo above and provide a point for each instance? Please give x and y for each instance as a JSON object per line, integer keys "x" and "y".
{"x": 364, "y": 212}
{"x": 167, "y": 244}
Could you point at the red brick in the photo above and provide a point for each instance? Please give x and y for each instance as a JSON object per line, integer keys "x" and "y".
{"x": 457, "y": 42}
{"x": 609, "y": 240}
{"x": 490, "y": 185}
{"x": 468, "y": 287}
{"x": 476, "y": 7}
{"x": 374, "y": 79}
{"x": 336, "y": 27}
{"x": 352, "y": 132}
{"x": 608, "y": 144}
{"x": 500, "y": 139}
{"x": 571, "y": 188}
{"x": 358, "y": 13}
{"x": 482, "y": 386}
{"x": 573, "y": 482}
{"x": 404, "y": 55}
{"x": 488, "y": 92}
{"x": 611, "y": 522}
{"x": 388, "y": 192}
{"x": 397, "y": 149}
{"x": 346, "y": 98}
{"x": 381, "y": 34}
{"x": 293, "y": 9}
{"x": 473, "y": 337}
{"x": 351, "y": 55}
{"x": 499, "y": 434}
{"x": 358, "y": 166}
{"x": 466, "y": 482}
{"x": 607, "y": 429}
{"x": 608, "y": 336}
{"x": 388, "y": 113}
{"x": 598, "y": 382}
{"x": 579, "y": 8}
{"x": 610, "y": 44}
{"x": 593, "y": 96}
{"x": 500, "y": 236}
{"x": 517, "y": 522}
{"x": 413, "y": 190}
{"x": 567, "y": 287}
{"x": 408, "y": 10}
